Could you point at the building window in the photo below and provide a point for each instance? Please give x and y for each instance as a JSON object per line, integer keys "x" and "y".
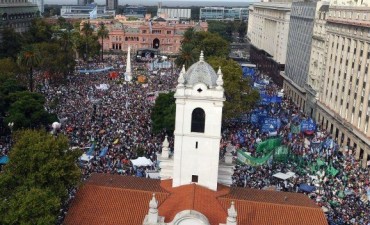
{"x": 198, "y": 118}
{"x": 194, "y": 178}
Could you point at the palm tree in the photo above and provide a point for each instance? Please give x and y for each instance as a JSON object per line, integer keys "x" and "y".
{"x": 103, "y": 32}
{"x": 65, "y": 39}
{"x": 87, "y": 31}
{"x": 188, "y": 36}
{"x": 187, "y": 55}
{"x": 29, "y": 58}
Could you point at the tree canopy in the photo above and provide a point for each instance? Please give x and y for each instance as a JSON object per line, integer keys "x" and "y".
{"x": 240, "y": 96}
{"x": 35, "y": 181}
{"x": 25, "y": 109}
{"x": 163, "y": 114}
{"x": 196, "y": 41}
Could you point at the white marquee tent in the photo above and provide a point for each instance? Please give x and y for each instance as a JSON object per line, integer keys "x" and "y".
{"x": 142, "y": 161}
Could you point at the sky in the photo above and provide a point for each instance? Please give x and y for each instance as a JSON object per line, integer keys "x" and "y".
{"x": 155, "y": 2}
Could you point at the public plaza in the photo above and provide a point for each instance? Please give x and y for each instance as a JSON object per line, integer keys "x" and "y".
{"x": 108, "y": 115}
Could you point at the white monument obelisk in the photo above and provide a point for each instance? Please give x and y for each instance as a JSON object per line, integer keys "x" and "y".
{"x": 128, "y": 75}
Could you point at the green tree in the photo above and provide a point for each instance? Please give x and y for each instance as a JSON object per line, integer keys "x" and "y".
{"x": 8, "y": 66}
{"x": 35, "y": 181}
{"x": 211, "y": 44}
{"x": 240, "y": 96}
{"x": 11, "y": 43}
{"x": 221, "y": 28}
{"x": 188, "y": 36}
{"x": 29, "y": 58}
{"x": 87, "y": 32}
{"x": 39, "y": 31}
{"x": 8, "y": 85}
{"x": 32, "y": 206}
{"x": 242, "y": 29}
{"x": 187, "y": 55}
{"x": 103, "y": 33}
{"x": 26, "y": 110}
{"x": 194, "y": 42}
{"x": 57, "y": 61}
{"x": 163, "y": 114}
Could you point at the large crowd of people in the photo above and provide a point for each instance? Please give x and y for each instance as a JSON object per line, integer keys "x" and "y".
{"x": 97, "y": 112}
{"x": 116, "y": 117}
{"x": 343, "y": 195}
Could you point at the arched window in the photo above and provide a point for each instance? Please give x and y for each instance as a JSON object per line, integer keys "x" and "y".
{"x": 198, "y": 118}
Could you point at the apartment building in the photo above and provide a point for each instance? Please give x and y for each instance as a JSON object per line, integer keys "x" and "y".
{"x": 343, "y": 107}
{"x": 268, "y": 28}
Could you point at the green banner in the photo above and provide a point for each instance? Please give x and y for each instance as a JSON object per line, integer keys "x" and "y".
{"x": 268, "y": 145}
{"x": 281, "y": 153}
{"x": 244, "y": 158}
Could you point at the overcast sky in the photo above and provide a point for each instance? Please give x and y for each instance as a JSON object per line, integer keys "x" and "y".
{"x": 155, "y": 2}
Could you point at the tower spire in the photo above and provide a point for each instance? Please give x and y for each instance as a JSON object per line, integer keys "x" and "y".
{"x": 165, "y": 144}
{"x": 128, "y": 75}
{"x": 201, "y": 58}
{"x": 220, "y": 81}
{"x": 231, "y": 215}
{"x": 153, "y": 210}
{"x": 181, "y": 78}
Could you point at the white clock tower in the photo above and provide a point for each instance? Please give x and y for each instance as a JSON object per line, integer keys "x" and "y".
{"x": 199, "y": 101}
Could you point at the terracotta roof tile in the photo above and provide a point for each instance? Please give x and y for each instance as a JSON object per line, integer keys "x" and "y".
{"x": 269, "y": 196}
{"x": 125, "y": 182}
{"x": 118, "y": 200}
{"x": 261, "y": 207}
{"x": 193, "y": 197}
{"x": 113, "y": 200}
{"x": 255, "y": 213}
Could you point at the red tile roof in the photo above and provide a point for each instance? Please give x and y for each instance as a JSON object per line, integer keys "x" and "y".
{"x": 113, "y": 200}
{"x": 118, "y": 200}
{"x": 193, "y": 197}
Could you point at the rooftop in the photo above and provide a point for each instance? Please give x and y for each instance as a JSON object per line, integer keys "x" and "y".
{"x": 113, "y": 199}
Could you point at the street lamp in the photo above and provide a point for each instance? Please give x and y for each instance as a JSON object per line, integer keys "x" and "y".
{"x": 11, "y": 125}
{"x": 56, "y": 126}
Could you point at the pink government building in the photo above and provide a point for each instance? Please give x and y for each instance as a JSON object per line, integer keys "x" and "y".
{"x": 158, "y": 33}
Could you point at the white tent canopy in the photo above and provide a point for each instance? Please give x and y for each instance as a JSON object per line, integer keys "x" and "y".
{"x": 142, "y": 161}
{"x": 284, "y": 176}
{"x": 102, "y": 87}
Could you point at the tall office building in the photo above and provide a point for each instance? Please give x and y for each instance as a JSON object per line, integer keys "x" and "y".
{"x": 39, "y": 3}
{"x": 343, "y": 107}
{"x": 268, "y": 28}
{"x": 111, "y": 4}
{"x": 223, "y": 13}
{"x": 299, "y": 50}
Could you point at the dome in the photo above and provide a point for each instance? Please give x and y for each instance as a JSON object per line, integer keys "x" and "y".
{"x": 201, "y": 72}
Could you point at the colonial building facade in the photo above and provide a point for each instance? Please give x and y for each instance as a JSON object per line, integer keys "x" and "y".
{"x": 344, "y": 105}
{"x": 17, "y": 14}
{"x": 268, "y": 28}
{"x": 159, "y": 34}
